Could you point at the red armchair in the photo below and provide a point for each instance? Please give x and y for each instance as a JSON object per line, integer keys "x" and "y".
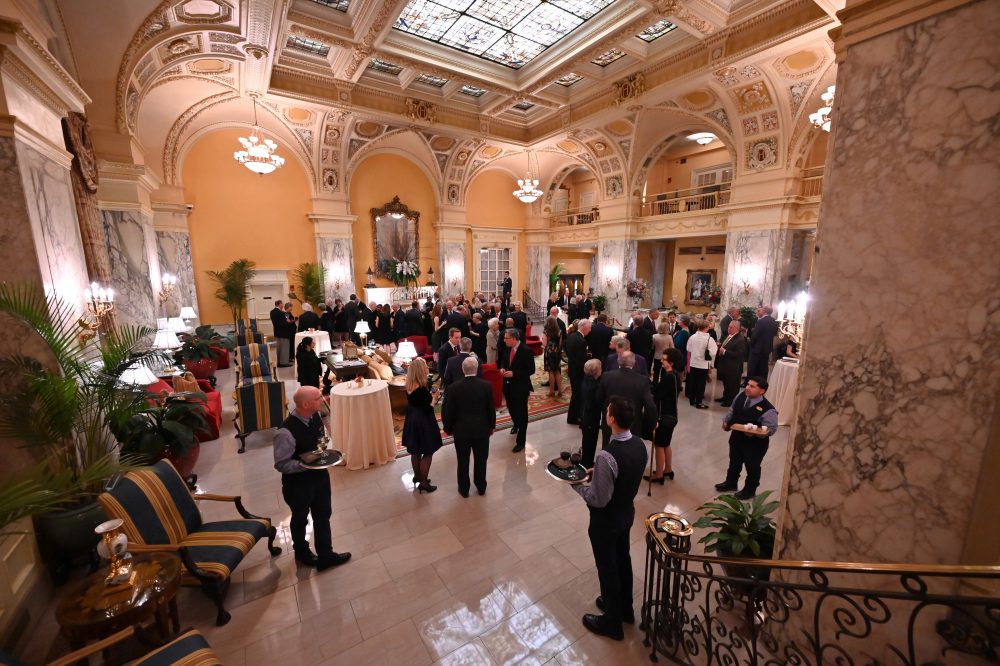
{"x": 492, "y": 375}
{"x": 213, "y": 405}
{"x": 533, "y": 342}
{"x": 420, "y": 343}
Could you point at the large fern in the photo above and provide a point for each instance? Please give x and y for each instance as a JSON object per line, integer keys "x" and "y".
{"x": 311, "y": 277}
{"x": 234, "y": 282}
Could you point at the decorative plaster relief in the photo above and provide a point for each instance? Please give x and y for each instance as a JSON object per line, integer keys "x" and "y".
{"x": 797, "y": 93}
{"x": 750, "y": 126}
{"x": 762, "y": 153}
{"x": 769, "y": 121}
{"x": 752, "y": 97}
{"x": 613, "y": 187}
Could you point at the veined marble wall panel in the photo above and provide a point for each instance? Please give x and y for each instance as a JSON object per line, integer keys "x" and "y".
{"x": 16, "y": 237}
{"x": 754, "y": 262}
{"x": 174, "y": 254}
{"x": 594, "y": 280}
{"x": 127, "y": 233}
{"x": 892, "y": 427}
{"x": 452, "y": 258}
{"x": 616, "y": 266}
{"x": 48, "y": 194}
{"x": 539, "y": 266}
{"x": 657, "y": 268}
{"x": 337, "y": 258}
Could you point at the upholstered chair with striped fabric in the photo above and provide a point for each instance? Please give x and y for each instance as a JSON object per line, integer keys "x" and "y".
{"x": 259, "y": 395}
{"x": 246, "y": 333}
{"x": 189, "y": 649}
{"x": 161, "y": 514}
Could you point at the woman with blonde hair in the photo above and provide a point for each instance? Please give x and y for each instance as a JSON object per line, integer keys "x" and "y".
{"x": 421, "y": 434}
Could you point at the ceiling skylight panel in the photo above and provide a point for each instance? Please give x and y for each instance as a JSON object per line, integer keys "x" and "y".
{"x": 547, "y": 25}
{"x": 656, "y": 30}
{"x": 514, "y": 51}
{"x": 426, "y": 19}
{"x": 472, "y": 35}
{"x": 430, "y": 79}
{"x": 502, "y": 13}
{"x": 569, "y": 79}
{"x": 582, "y": 8}
{"x": 608, "y": 57}
{"x": 340, "y": 5}
{"x": 472, "y": 91}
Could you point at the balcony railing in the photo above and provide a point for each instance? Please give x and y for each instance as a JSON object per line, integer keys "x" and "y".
{"x": 574, "y": 216}
{"x": 682, "y": 201}
{"x": 705, "y": 610}
{"x": 812, "y": 183}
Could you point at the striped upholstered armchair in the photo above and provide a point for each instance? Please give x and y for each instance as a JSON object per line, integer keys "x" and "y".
{"x": 260, "y": 395}
{"x": 160, "y": 514}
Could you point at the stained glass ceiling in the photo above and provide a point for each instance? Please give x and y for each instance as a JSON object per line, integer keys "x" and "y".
{"x": 510, "y": 32}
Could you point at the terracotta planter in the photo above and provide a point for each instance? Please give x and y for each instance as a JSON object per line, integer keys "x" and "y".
{"x": 185, "y": 463}
{"x": 203, "y": 368}
{"x": 221, "y": 356}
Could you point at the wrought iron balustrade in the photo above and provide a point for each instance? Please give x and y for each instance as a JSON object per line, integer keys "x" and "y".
{"x": 704, "y": 610}
{"x": 682, "y": 201}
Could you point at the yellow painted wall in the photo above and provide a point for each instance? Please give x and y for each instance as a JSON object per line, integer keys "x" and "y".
{"x": 578, "y": 183}
{"x": 668, "y": 174}
{"x": 489, "y": 203}
{"x": 238, "y": 214}
{"x": 575, "y": 263}
{"x": 817, "y": 154}
{"x": 681, "y": 264}
{"x": 375, "y": 181}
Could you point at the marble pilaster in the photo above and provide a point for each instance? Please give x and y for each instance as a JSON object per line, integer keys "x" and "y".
{"x": 616, "y": 266}
{"x": 174, "y": 252}
{"x": 130, "y": 239}
{"x": 539, "y": 266}
{"x": 451, "y": 254}
{"x": 657, "y": 268}
{"x": 337, "y": 258}
{"x": 753, "y": 266}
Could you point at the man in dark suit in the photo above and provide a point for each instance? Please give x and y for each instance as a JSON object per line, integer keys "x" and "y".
{"x": 449, "y": 349}
{"x": 640, "y": 340}
{"x": 651, "y": 321}
{"x": 453, "y": 369}
{"x": 671, "y": 323}
{"x": 458, "y": 318}
{"x": 279, "y": 323}
{"x": 732, "y": 314}
{"x": 576, "y": 355}
{"x": 761, "y": 342}
{"x": 565, "y": 299}
{"x": 469, "y": 415}
{"x": 414, "y": 320}
{"x": 554, "y": 312}
{"x": 399, "y": 328}
{"x": 517, "y": 365}
{"x": 507, "y": 287}
{"x": 599, "y": 339}
{"x": 308, "y": 319}
{"x": 520, "y": 319}
{"x": 351, "y": 317}
{"x": 729, "y": 362}
{"x": 278, "y": 319}
{"x": 635, "y": 388}
{"x": 622, "y": 345}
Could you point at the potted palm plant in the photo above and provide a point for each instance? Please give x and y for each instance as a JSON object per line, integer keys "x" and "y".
{"x": 60, "y": 404}
{"x": 167, "y": 428}
{"x": 234, "y": 282}
{"x": 554, "y": 276}
{"x": 199, "y": 353}
{"x": 740, "y": 530}
{"x": 600, "y": 303}
{"x": 311, "y": 277}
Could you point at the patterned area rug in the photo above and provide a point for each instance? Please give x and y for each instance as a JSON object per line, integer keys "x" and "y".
{"x": 540, "y": 406}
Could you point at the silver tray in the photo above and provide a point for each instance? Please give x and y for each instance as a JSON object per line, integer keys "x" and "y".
{"x": 330, "y": 458}
{"x": 573, "y": 474}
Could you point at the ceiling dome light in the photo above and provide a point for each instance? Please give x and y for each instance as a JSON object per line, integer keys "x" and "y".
{"x": 702, "y": 138}
{"x": 821, "y": 117}
{"x": 258, "y": 153}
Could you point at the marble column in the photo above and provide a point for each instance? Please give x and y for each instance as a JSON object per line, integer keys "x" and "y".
{"x": 888, "y": 460}
{"x": 131, "y": 247}
{"x": 594, "y": 278}
{"x": 337, "y": 258}
{"x": 657, "y": 268}
{"x": 753, "y": 266}
{"x": 173, "y": 250}
{"x": 539, "y": 266}
{"x": 451, "y": 254}
{"x": 616, "y": 266}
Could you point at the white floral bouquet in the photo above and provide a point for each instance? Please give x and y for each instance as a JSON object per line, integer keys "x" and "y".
{"x": 403, "y": 272}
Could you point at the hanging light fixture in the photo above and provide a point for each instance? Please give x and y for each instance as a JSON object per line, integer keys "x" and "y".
{"x": 527, "y": 188}
{"x": 821, "y": 117}
{"x": 258, "y": 152}
{"x": 702, "y": 138}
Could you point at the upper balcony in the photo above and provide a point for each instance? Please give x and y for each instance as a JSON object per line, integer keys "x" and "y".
{"x": 574, "y": 216}
{"x": 683, "y": 201}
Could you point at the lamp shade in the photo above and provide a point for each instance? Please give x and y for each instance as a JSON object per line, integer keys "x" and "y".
{"x": 139, "y": 375}
{"x": 406, "y": 350}
{"x": 187, "y": 312}
{"x": 362, "y": 327}
{"x": 177, "y": 325}
{"x": 166, "y": 339}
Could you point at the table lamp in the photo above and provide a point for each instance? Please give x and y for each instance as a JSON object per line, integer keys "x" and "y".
{"x": 406, "y": 352}
{"x": 188, "y": 313}
{"x": 166, "y": 339}
{"x": 362, "y": 329}
{"x": 138, "y": 375}
{"x": 177, "y": 325}
{"x": 161, "y": 323}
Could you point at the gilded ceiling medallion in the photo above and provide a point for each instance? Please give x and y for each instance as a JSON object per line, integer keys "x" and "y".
{"x": 753, "y": 97}
{"x": 368, "y": 129}
{"x": 568, "y": 146}
{"x": 619, "y": 127}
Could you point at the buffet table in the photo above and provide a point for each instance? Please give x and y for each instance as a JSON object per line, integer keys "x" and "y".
{"x": 361, "y": 423}
{"x": 781, "y": 390}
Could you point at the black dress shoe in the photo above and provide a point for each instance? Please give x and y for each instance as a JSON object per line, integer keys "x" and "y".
{"x": 745, "y": 495}
{"x": 513, "y": 430}
{"x": 628, "y": 618}
{"x": 463, "y": 493}
{"x": 596, "y": 624}
{"x": 332, "y": 560}
{"x": 724, "y": 488}
{"x": 517, "y": 449}
{"x": 701, "y": 405}
{"x": 482, "y": 492}
{"x": 307, "y": 558}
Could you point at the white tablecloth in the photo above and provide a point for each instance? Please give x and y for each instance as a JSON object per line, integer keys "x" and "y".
{"x": 320, "y": 338}
{"x": 361, "y": 423}
{"x": 782, "y": 386}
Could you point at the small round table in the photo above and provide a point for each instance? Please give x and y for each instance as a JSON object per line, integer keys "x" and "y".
{"x": 782, "y": 386}
{"x": 361, "y": 423}
{"x": 88, "y": 612}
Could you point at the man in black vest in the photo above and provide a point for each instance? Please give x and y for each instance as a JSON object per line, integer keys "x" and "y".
{"x": 468, "y": 413}
{"x": 614, "y": 481}
{"x": 306, "y": 490}
{"x": 749, "y": 407}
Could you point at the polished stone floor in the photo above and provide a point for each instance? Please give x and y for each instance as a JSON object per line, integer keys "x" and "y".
{"x": 436, "y": 578}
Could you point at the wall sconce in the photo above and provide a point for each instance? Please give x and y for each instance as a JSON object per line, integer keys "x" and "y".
{"x": 370, "y": 274}
{"x": 746, "y": 277}
{"x": 792, "y": 318}
{"x": 430, "y": 277}
{"x": 168, "y": 282}
{"x": 100, "y": 302}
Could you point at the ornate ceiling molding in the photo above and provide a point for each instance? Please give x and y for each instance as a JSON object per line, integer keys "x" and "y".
{"x": 171, "y": 147}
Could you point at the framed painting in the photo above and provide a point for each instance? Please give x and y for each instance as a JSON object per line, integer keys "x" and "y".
{"x": 395, "y": 234}
{"x": 698, "y": 282}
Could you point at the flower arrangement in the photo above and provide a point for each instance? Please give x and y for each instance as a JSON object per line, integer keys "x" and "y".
{"x": 637, "y": 288}
{"x": 402, "y": 272}
{"x": 712, "y": 294}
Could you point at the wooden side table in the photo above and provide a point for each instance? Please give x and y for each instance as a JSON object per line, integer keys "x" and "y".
{"x": 86, "y": 612}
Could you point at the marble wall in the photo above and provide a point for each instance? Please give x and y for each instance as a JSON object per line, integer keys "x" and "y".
{"x": 129, "y": 236}
{"x": 616, "y": 265}
{"x": 173, "y": 250}
{"x": 452, "y": 258}
{"x": 48, "y": 195}
{"x": 539, "y": 267}
{"x": 894, "y": 412}
{"x": 657, "y": 269}
{"x": 754, "y": 265}
{"x": 16, "y": 237}
{"x": 337, "y": 258}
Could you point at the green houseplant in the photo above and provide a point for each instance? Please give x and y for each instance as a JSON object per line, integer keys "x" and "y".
{"x": 199, "y": 353}
{"x": 234, "y": 282}
{"x": 740, "y": 530}
{"x": 554, "y": 276}
{"x": 311, "y": 278}
{"x": 748, "y": 317}
{"x": 167, "y": 428}
{"x": 600, "y": 303}
{"x": 62, "y": 405}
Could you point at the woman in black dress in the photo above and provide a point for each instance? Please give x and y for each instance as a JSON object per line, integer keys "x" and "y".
{"x": 308, "y": 366}
{"x": 553, "y": 355}
{"x": 667, "y": 392}
{"x": 477, "y": 331}
{"x": 339, "y": 321}
{"x": 383, "y": 326}
{"x": 421, "y": 433}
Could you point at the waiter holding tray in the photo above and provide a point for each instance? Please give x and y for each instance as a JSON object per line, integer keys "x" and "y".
{"x": 297, "y": 448}
{"x": 751, "y": 421}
